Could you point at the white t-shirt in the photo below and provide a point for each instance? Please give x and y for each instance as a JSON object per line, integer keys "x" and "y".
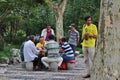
{"x": 30, "y": 51}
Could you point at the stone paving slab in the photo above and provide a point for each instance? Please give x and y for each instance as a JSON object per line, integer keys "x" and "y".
{"x": 16, "y": 72}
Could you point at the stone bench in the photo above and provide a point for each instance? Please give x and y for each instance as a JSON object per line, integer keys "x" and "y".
{"x": 54, "y": 66}
{"x": 68, "y": 65}
{"x": 23, "y": 64}
{"x": 29, "y": 66}
{"x": 71, "y": 64}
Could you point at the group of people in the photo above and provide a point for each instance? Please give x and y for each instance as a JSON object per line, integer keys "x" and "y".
{"x": 48, "y": 50}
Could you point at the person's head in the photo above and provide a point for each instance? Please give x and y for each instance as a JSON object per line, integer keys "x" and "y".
{"x": 51, "y": 37}
{"x": 27, "y": 38}
{"x": 72, "y": 27}
{"x": 32, "y": 38}
{"x": 48, "y": 26}
{"x": 41, "y": 39}
{"x": 88, "y": 20}
{"x": 62, "y": 40}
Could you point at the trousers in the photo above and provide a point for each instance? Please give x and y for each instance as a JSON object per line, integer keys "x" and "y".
{"x": 46, "y": 60}
{"x": 89, "y": 54}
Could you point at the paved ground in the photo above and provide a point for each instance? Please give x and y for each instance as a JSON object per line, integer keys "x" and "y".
{"x": 15, "y": 72}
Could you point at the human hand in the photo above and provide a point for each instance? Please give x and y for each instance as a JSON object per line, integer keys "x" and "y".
{"x": 86, "y": 36}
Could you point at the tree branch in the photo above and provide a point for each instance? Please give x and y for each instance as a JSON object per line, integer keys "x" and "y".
{"x": 56, "y": 7}
{"x": 4, "y": 14}
{"x": 49, "y": 2}
{"x": 62, "y": 5}
{"x": 53, "y": 5}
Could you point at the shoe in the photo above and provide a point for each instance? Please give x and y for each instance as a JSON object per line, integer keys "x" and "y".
{"x": 37, "y": 68}
{"x": 48, "y": 68}
{"x": 59, "y": 67}
{"x": 86, "y": 76}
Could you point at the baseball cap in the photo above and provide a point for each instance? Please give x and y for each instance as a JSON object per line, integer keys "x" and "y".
{"x": 72, "y": 25}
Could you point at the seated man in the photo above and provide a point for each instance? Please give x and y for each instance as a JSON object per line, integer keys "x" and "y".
{"x": 21, "y": 49}
{"x": 66, "y": 50}
{"x": 41, "y": 46}
{"x": 53, "y": 53}
{"x": 30, "y": 51}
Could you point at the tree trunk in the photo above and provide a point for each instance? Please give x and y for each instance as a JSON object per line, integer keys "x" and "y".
{"x": 107, "y": 59}
{"x": 59, "y": 25}
{"x": 58, "y": 8}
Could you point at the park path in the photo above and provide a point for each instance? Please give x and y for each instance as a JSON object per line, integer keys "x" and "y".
{"x": 16, "y": 72}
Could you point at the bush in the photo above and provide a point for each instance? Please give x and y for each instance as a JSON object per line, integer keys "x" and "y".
{"x": 5, "y": 52}
{"x": 20, "y": 37}
{"x": 1, "y": 44}
{"x": 15, "y": 38}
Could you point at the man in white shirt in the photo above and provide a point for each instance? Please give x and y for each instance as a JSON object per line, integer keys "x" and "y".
{"x": 30, "y": 51}
{"x": 47, "y": 32}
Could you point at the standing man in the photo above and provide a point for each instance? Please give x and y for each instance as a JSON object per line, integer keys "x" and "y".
{"x": 74, "y": 37}
{"x": 89, "y": 35}
{"x": 47, "y": 31}
{"x": 30, "y": 52}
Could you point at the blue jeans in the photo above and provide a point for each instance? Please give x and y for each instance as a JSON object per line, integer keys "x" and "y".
{"x": 66, "y": 58}
{"x": 73, "y": 48}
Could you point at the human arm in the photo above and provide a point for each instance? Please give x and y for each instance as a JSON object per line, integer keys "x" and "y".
{"x": 93, "y": 36}
{"x": 44, "y": 33}
{"x": 83, "y": 33}
{"x": 94, "y": 32}
{"x": 61, "y": 50}
{"x": 34, "y": 49}
{"x": 53, "y": 32}
{"x": 78, "y": 37}
{"x": 86, "y": 34}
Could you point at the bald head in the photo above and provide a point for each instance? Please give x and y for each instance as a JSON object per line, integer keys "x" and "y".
{"x": 62, "y": 39}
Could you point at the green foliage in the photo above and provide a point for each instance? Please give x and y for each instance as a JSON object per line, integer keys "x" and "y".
{"x": 30, "y": 16}
{"x": 6, "y": 52}
{"x": 20, "y": 18}
{"x": 1, "y": 44}
{"x": 19, "y": 37}
{"x": 75, "y": 12}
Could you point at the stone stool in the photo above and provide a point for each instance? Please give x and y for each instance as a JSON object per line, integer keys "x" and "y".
{"x": 23, "y": 64}
{"x": 29, "y": 66}
{"x": 54, "y": 66}
{"x": 71, "y": 64}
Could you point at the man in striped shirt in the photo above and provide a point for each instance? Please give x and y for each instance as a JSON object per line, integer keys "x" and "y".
{"x": 52, "y": 53}
{"x": 73, "y": 37}
{"x": 66, "y": 50}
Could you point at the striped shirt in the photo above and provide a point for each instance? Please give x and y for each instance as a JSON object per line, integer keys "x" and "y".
{"x": 73, "y": 37}
{"x": 67, "y": 50}
{"x": 52, "y": 48}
